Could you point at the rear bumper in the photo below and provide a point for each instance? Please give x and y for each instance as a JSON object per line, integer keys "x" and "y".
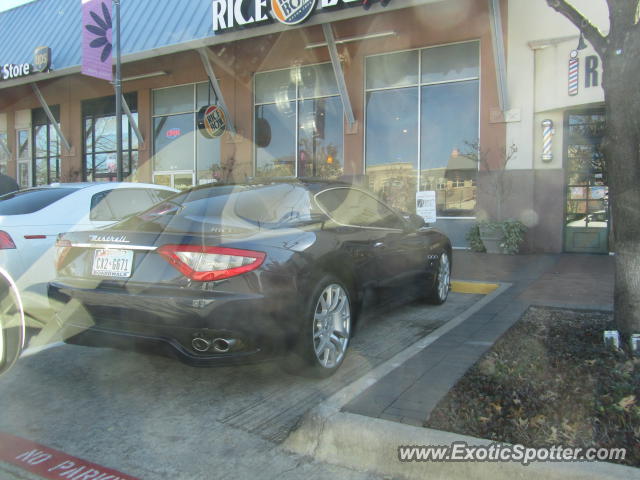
{"x": 166, "y": 321}
{"x": 163, "y": 345}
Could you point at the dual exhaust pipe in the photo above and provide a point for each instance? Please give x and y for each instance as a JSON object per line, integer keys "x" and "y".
{"x": 218, "y": 345}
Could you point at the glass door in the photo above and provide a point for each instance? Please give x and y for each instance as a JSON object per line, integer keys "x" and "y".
{"x": 587, "y": 194}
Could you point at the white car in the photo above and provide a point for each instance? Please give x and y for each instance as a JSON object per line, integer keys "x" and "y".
{"x": 31, "y": 219}
{"x": 593, "y": 220}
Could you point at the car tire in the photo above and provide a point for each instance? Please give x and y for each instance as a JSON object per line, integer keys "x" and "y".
{"x": 438, "y": 292}
{"x": 325, "y": 331}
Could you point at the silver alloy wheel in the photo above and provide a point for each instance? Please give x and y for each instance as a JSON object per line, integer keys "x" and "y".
{"x": 331, "y": 325}
{"x": 444, "y": 277}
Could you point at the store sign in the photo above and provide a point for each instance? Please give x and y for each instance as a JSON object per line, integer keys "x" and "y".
{"x": 292, "y": 12}
{"x": 212, "y": 121}
{"x": 41, "y": 63}
{"x": 230, "y": 14}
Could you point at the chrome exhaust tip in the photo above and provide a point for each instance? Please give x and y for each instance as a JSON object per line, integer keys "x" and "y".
{"x": 200, "y": 344}
{"x": 223, "y": 345}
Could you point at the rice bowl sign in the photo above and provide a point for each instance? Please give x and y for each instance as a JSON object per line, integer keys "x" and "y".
{"x": 292, "y": 12}
{"x": 232, "y": 14}
{"x": 212, "y": 121}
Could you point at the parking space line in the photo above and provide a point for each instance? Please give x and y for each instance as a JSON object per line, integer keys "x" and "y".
{"x": 50, "y": 463}
{"x": 334, "y": 403}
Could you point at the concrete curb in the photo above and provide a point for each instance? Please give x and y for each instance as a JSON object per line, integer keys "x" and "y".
{"x": 371, "y": 444}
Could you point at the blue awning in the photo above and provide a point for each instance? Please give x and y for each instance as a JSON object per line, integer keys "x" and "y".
{"x": 149, "y": 28}
{"x": 146, "y": 25}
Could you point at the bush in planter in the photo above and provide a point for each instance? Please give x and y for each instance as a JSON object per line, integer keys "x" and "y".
{"x": 475, "y": 242}
{"x": 497, "y": 237}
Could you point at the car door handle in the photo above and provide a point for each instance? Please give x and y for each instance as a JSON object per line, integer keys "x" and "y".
{"x": 378, "y": 245}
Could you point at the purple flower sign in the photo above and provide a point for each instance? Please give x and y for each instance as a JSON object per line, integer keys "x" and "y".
{"x": 96, "y": 39}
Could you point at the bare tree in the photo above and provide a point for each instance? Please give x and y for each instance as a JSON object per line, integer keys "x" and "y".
{"x": 494, "y": 179}
{"x": 620, "y": 55}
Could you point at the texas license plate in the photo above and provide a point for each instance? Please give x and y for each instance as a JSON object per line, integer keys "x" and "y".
{"x": 109, "y": 262}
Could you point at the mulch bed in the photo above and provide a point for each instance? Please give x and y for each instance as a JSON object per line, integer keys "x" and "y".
{"x": 550, "y": 381}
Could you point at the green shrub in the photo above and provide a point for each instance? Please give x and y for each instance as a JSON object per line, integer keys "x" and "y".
{"x": 473, "y": 237}
{"x": 512, "y": 235}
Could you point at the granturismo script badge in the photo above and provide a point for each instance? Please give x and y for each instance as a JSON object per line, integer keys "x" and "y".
{"x": 292, "y": 12}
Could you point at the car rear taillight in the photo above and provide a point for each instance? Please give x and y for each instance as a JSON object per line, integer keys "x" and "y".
{"x": 6, "y": 241}
{"x": 62, "y": 249}
{"x": 206, "y": 264}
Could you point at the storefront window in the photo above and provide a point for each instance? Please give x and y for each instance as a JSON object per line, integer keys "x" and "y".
{"x": 449, "y": 124}
{"x": 320, "y": 138}
{"x": 393, "y": 70}
{"x": 100, "y": 157}
{"x": 298, "y": 123}
{"x": 422, "y": 109}
{"x": 183, "y": 156}
{"x": 24, "y": 157}
{"x": 46, "y": 151}
{"x": 174, "y": 145}
{"x": 392, "y": 145}
{"x": 4, "y": 153}
{"x": 277, "y": 157}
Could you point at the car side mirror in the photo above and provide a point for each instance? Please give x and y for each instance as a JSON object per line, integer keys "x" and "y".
{"x": 12, "y": 328}
{"x": 414, "y": 222}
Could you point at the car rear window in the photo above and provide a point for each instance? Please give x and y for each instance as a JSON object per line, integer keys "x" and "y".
{"x": 119, "y": 203}
{"x": 228, "y": 209}
{"x": 353, "y": 207}
{"x": 30, "y": 201}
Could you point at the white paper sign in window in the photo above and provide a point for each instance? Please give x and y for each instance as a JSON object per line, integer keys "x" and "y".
{"x": 426, "y": 205}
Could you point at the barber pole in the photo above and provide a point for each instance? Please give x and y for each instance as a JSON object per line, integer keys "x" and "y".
{"x": 574, "y": 64}
{"x": 547, "y": 136}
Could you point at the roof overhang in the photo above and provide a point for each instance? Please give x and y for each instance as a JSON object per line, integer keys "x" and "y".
{"x": 319, "y": 18}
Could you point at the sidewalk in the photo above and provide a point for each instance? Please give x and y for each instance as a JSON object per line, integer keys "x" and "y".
{"x": 409, "y": 393}
{"x": 363, "y": 425}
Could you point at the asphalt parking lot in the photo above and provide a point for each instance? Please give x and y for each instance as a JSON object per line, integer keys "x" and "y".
{"x": 153, "y": 417}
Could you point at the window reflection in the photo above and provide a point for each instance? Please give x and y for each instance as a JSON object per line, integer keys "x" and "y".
{"x": 422, "y": 131}
{"x": 300, "y": 105}
{"x": 23, "y": 144}
{"x": 587, "y": 193}
{"x": 450, "y": 62}
{"x": 173, "y": 142}
{"x": 449, "y": 124}
{"x": 46, "y": 161}
{"x": 320, "y": 138}
{"x": 4, "y": 155}
{"x": 392, "y": 145}
{"x": 276, "y": 159}
{"x": 100, "y": 139}
{"x": 352, "y": 207}
{"x": 24, "y": 158}
{"x": 392, "y": 70}
{"x": 177, "y": 145}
